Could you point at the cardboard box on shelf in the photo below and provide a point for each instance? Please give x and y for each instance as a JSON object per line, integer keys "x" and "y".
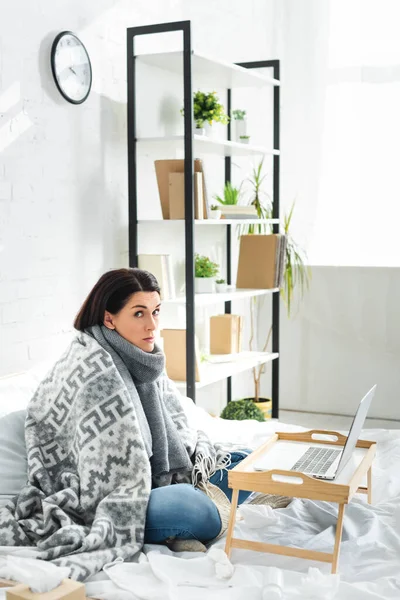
{"x": 177, "y": 196}
{"x": 175, "y": 354}
{"x": 225, "y": 334}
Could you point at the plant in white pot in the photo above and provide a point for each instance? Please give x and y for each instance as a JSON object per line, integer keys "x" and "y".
{"x": 239, "y": 117}
{"x": 221, "y": 286}
{"x": 215, "y": 212}
{"x": 207, "y": 110}
{"x": 205, "y": 271}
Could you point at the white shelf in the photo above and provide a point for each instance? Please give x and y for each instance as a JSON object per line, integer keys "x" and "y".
{"x": 213, "y": 372}
{"x": 208, "y": 71}
{"x": 207, "y": 299}
{"x": 215, "y": 221}
{"x": 211, "y": 146}
{"x": 237, "y": 222}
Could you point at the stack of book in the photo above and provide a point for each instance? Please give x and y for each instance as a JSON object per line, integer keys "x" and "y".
{"x": 160, "y": 265}
{"x": 235, "y": 211}
{"x": 171, "y": 188}
{"x": 261, "y": 261}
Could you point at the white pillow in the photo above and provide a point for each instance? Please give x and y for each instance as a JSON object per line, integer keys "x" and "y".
{"x": 17, "y": 390}
{"x": 13, "y": 458}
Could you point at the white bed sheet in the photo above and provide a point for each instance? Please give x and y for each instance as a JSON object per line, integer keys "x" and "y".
{"x": 370, "y": 552}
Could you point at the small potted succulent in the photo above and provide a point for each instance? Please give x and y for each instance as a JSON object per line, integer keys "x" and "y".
{"x": 215, "y": 212}
{"x": 205, "y": 271}
{"x": 221, "y": 286}
{"x": 244, "y": 139}
{"x": 239, "y": 117}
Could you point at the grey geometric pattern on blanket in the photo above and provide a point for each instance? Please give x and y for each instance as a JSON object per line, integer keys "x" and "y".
{"x": 84, "y": 504}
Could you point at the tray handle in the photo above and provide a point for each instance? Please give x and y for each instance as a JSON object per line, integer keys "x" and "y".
{"x": 316, "y": 436}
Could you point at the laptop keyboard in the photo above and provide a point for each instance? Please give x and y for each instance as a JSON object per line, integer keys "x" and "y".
{"x": 316, "y": 460}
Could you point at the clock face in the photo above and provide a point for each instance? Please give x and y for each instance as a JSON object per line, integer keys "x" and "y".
{"x": 71, "y": 67}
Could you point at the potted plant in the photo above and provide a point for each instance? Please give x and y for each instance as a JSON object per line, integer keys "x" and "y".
{"x": 296, "y": 277}
{"x": 239, "y": 117}
{"x": 260, "y": 200}
{"x": 215, "y": 212}
{"x": 207, "y": 110}
{"x": 240, "y": 410}
{"x": 245, "y": 139}
{"x": 205, "y": 271}
{"x": 230, "y": 203}
{"x": 221, "y": 286}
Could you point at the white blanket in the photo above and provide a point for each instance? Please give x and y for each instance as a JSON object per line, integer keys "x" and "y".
{"x": 369, "y": 564}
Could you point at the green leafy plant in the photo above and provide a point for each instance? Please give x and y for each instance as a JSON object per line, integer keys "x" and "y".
{"x": 260, "y": 199}
{"x": 204, "y": 267}
{"x": 214, "y": 207}
{"x": 220, "y": 281}
{"x": 296, "y": 279}
{"x": 238, "y": 114}
{"x": 232, "y": 195}
{"x": 244, "y": 137}
{"x": 242, "y": 409}
{"x": 207, "y": 107}
{"x": 296, "y": 275}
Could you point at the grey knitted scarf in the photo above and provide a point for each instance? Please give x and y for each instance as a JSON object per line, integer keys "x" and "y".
{"x": 141, "y": 372}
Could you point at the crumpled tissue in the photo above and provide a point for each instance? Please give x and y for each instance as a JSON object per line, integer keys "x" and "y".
{"x": 224, "y": 569}
{"x": 42, "y": 576}
{"x": 317, "y": 585}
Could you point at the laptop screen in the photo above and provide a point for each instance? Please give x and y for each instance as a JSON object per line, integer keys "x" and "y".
{"x": 356, "y": 428}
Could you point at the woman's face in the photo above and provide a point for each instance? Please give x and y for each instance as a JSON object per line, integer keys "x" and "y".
{"x": 137, "y": 321}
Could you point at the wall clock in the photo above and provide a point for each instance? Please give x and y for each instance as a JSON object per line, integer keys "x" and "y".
{"x": 71, "y": 67}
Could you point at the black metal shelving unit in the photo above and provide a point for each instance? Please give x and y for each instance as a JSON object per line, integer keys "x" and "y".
{"x": 185, "y": 28}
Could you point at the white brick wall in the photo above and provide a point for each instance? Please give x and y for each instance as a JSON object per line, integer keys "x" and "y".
{"x": 63, "y": 179}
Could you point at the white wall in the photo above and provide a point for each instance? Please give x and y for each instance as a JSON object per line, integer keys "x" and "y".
{"x": 63, "y": 174}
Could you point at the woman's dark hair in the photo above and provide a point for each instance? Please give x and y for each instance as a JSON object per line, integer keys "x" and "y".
{"x": 111, "y": 293}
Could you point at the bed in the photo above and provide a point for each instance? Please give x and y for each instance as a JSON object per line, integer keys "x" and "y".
{"x": 370, "y": 552}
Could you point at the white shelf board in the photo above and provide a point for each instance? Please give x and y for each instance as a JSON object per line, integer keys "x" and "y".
{"x": 237, "y": 222}
{"x": 208, "y": 71}
{"x": 215, "y": 221}
{"x": 202, "y": 143}
{"x": 207, "y": 299}
{"x": 213, "y": 372}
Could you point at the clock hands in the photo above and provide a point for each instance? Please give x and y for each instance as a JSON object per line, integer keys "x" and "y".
{"x": 71, "y": 69}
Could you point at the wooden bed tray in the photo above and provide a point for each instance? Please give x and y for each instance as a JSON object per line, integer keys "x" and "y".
{"x": 243, "y": 477}
{"x": 68, "y": 590}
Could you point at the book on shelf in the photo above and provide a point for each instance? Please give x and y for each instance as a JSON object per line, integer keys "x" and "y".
{"x": 163, "y": 170}
{"x": 174, "y": 341}
{"x": 160, "y": 265}
{"x": 261, "y": 261}
{"x": 225, "y": 334}
{"x": 176, "y": 196}
{"x": 234, "y": 211}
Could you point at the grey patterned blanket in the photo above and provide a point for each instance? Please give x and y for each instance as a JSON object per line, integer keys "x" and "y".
{"x": 89, "y": 473}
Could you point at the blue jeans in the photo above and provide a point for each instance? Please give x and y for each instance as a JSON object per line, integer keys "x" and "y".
{"x": 184, "y": 512}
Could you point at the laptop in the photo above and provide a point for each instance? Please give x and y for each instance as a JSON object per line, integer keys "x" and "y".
{"x": 326, "y": 463}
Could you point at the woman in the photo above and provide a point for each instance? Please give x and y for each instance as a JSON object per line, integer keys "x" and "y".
{"x": 112, "y": 462}
{"x": 122, "y": 313}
